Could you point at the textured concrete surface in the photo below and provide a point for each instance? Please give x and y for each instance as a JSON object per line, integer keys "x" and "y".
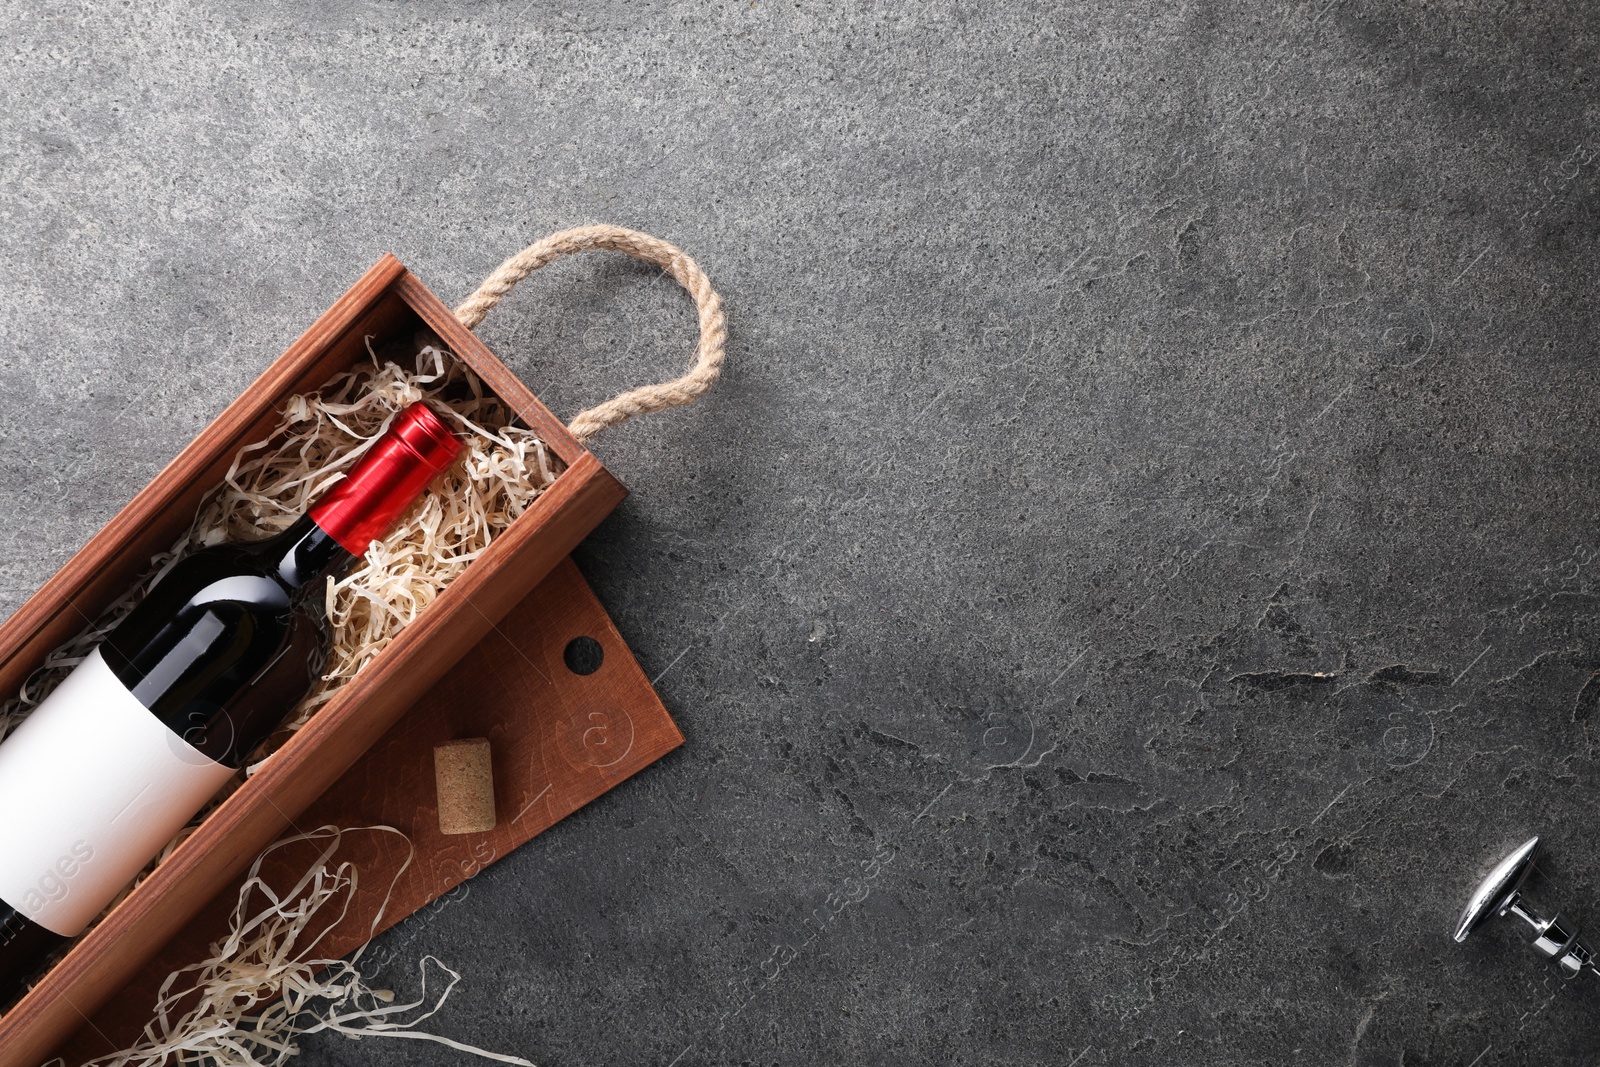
{"x": 1140, "y": 567}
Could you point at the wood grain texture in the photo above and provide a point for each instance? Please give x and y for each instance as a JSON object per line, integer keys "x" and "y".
{"x": 379, "y": 306}
{"x": 560, "y": 740}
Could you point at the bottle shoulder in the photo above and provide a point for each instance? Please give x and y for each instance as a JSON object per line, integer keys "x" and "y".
{"x": 219, "y": 575}
{"x": 229, "y": 639}
{"x": 218, "y": 650}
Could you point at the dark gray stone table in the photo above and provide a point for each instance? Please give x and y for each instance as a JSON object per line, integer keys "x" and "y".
{"x": 1139, "y": 569}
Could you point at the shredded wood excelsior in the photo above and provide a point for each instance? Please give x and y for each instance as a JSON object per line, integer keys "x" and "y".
{"x": 503, "y": 469}
{"x": 265, "y": 985}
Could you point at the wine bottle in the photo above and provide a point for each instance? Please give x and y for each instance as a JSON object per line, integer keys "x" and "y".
{"x": 142, "y": 733}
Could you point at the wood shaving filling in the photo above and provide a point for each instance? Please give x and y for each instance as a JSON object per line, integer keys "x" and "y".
{"x": 265, "y": 984}
{"x": 502, "y": 471}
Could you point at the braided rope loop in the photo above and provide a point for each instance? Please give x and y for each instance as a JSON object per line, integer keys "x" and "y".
{"x": 708, "y": 356}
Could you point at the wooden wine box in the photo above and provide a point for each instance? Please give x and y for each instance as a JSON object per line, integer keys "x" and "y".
{"x": 387, "y": 304}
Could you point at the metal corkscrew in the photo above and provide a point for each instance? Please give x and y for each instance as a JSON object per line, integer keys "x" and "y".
{"x": 1503, "y": 892}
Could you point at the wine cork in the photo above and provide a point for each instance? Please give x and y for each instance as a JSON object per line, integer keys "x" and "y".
{"x": 464, "y": 777}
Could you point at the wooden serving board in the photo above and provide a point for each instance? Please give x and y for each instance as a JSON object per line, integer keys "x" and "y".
{"x": 560, "y": 739}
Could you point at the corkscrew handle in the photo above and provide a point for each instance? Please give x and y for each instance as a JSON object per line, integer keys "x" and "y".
{"x": 1503, "y": 892}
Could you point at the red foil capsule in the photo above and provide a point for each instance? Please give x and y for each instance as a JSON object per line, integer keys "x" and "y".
{"x": 388, "y": 479}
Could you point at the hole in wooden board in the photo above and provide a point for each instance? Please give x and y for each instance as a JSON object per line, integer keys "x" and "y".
{"x": 584, "y": 655}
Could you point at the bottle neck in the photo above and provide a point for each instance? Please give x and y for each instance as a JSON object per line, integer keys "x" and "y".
{"x": 305, "y": 552}
{"x": 382, "y": 486}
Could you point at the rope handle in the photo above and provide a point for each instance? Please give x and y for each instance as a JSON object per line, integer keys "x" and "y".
{"x": 708, "y": 356}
